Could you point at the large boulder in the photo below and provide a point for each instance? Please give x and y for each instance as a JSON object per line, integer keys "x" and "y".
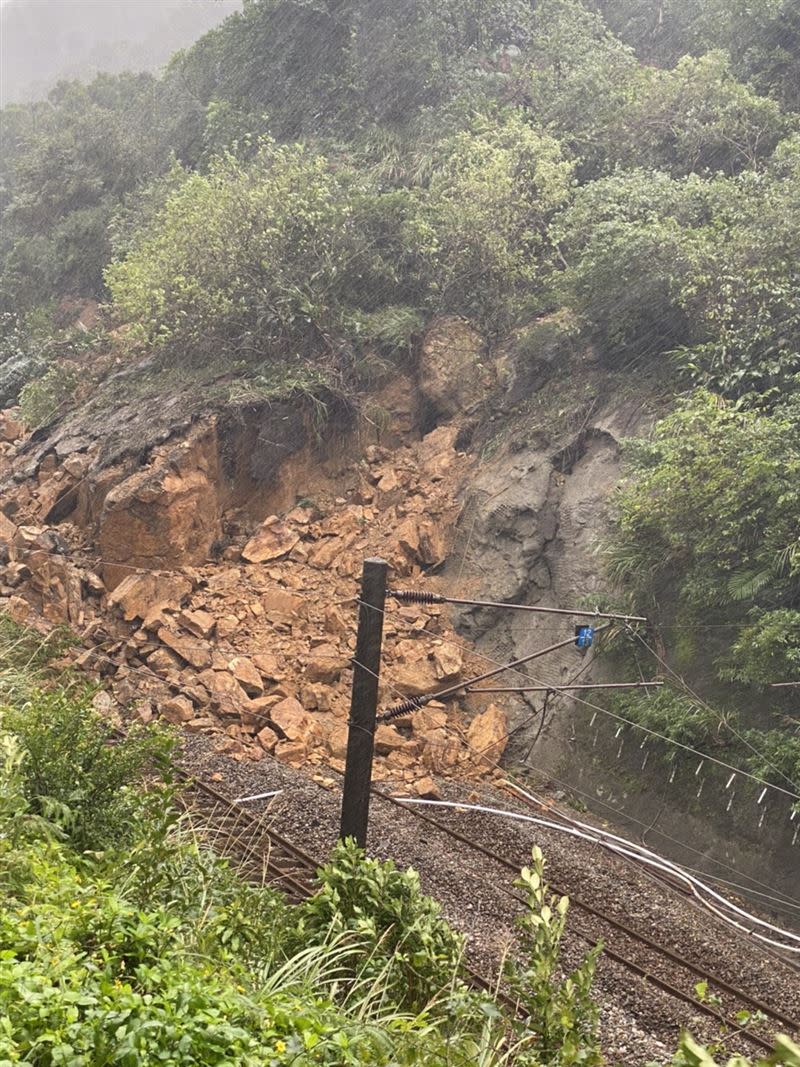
{"x": 164, "y": 516}
{"x": 487, "y": 737}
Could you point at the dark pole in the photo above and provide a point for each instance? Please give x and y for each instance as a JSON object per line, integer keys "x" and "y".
{"x": 364, "y": 702}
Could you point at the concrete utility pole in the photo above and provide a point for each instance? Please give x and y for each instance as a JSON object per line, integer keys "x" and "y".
{"x": 364, "y": 702}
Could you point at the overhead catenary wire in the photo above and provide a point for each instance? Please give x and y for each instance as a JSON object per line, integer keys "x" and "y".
{"x": 514, "y": 666}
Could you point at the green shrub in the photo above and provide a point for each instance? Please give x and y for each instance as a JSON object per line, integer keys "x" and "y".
{"x": 561, "y": 1015}
{"x": 408, "y": 944}
{"x": 42, "y": 399}
{"x": 72, "y": 772}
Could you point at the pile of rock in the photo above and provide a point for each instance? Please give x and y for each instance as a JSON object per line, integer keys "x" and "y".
{"x": 256, "y": 648}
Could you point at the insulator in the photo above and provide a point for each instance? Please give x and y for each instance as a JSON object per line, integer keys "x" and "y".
{"x": 417, "y": 596}
{"x": 407, "y": 706}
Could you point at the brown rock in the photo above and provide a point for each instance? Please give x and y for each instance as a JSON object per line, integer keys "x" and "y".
{"x": 432, "y": 547}
{"x": 427, "y": 719}
{"x": 447, "y": 662}
{"x": 452, "y": 375}
{"x": 415, "y": 679}
{"x": 246, "y": 674}
{"x": 177, "y": 710}
{"x": 442, "y": 751}
{"x": 204, "y": 724}
{"x": 335, "y": 622}
{"x": 268, "y": 666}
{"x": 140, "y": 595}
{"x": 387, "y": 740}
{"x": 165, "y": 515}
{"x": 8, "y": 532}
{"x": 325, "y": 666}
{"x": 163, "y": 662}
{"x": 191, "y": 649}
{"x": 292, "y": 721}
{"x": 316, "y": 696}
{"x": 257, "y": 712}
{"x": 325, "y": 553}
{"x": 336, "y": 741}
{"x": 388, "y": 482}
{"x": 267, "y": 738}
{"x": 272, "y": 541}
{"x": 227, "y": 626}
{"x": 427, "y": 789}
{"x": 200, "y": 623}
{"x": 280, "y": 602}
{"x": 11, "y": 429}
{"x": 225, "y": 692}
{"x": 437, "y": 452}
{"x": 487, "y": 736}
{"x": 294, "y": 753}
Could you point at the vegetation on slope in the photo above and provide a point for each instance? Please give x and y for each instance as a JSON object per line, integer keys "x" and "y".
{"x": 295, "y": 196}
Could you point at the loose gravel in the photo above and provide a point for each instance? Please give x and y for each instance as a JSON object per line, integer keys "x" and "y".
{"x": 639, "y": 1024}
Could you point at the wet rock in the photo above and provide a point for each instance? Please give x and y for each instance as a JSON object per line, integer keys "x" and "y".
{"x": 487, "y": 736}
{"x": 272, "y": 541}
{"x": 141, "y": 595}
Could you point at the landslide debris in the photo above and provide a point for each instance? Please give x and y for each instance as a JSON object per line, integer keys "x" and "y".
{"x": 254, "y": 647}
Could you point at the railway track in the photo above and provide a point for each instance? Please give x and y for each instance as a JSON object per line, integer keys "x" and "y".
{"x": 654, "y": 963}
{"x": 262, "y": 854}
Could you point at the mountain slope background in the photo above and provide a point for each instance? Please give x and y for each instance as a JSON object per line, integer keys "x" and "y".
{"x": 550, "y": 226}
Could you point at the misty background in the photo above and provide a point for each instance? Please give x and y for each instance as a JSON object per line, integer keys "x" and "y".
{"x": 43, "y": 41}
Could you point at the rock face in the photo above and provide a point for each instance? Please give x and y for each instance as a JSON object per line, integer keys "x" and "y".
{"x": 164, "y": 517}
{"x": 453, "y": 375}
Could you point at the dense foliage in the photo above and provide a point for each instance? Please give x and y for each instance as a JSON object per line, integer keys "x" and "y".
{"x": 294, "y": 197}
{"x": 126, "y": 940}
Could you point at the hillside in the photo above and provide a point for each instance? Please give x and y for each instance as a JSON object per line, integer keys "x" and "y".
{"x": 507, "y": 294}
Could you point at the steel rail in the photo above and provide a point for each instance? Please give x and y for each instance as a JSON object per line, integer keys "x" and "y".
{"x": 707, "y": 1009}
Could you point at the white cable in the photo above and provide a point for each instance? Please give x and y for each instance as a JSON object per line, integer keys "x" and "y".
{"x": 636, "y": 853}
{"x": 257, "y": 796}
{"x": 680, "y": 871}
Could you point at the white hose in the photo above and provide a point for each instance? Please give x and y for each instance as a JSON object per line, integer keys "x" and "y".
{"x": 636, "y": 852}
{"x": 680, "y": 871}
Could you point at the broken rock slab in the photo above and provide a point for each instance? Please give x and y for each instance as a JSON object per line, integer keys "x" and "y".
{"x": 272, "y": 541}
{"x": 142, "y": 594}
{"x": 487, "y": 737}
